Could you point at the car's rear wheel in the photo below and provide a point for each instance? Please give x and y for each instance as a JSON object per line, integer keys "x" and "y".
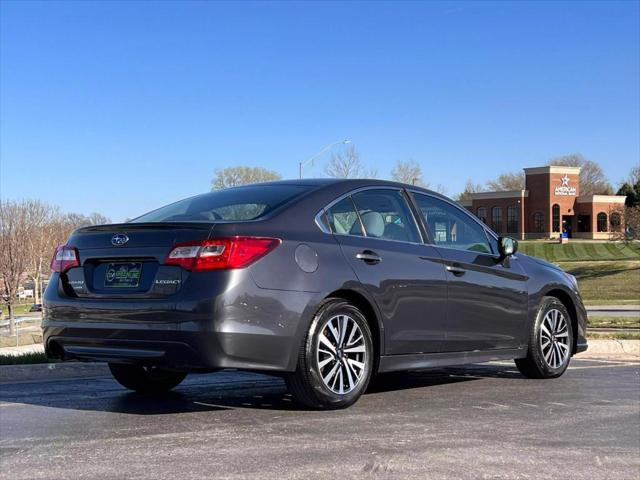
{"x": 550, "y": 342}
{"x": 146, "y": 379}
{"x": 336, "y": 359}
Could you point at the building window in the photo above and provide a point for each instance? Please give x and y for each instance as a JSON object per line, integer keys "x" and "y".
{"x": 602, "y": 222}
{"x": 482, "y": 214}
{"x": 555, "y": 211}
{"x": 496, "y": 219}
{"x": 512, "y": 219}
{"x": 615, "y": 222}
{"x": 538, "y": 222}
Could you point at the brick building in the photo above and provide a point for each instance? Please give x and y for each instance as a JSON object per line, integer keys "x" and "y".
{"x": 550, "y": 204}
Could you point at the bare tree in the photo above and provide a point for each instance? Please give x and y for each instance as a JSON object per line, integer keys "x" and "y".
{"x": 629, "y": 229}
{"x": 469, "y": 189}
{"x": 48, "y": 229}
{"x": 78, "y": 220}
{"x": 409, "y": 172}
{"x": 236, "y": 176}
{"x": 96, "y": 218}
{"x": 39, "y": 241}
{"x": 14, "y": 257}
{"x": 634, "y": 176}
{"x": 592, "y": 178}
{"x": 345, "y": 164}
{"x": 507, "y": 181}
{"x": 441, "y": 189}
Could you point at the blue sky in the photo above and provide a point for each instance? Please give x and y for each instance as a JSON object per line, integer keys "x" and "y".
{"x": 119, "y": 107}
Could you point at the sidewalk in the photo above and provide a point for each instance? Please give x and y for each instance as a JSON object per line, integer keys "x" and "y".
{"x": 617, "y": 308}
{"x": 613, "y": 310}
{"x": 21, "y": 350}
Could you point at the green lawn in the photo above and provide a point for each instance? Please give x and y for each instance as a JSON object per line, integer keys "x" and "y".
{"x": 18, "y": 309}
{"x": 608, "y": 273}
{"x": 577, "y": 251}
{"x": 614, "y": 322}
{"x": 606, "y": 282}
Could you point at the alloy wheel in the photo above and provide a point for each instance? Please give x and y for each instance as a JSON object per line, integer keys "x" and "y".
{"x": 554, "y": 339}
{"x": 341, "y": 354}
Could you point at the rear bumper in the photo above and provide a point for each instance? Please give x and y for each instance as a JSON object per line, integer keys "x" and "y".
{"x": 252, "y": 330}
{"x": 169, "y": 345}
{"x": 165, "y": 345}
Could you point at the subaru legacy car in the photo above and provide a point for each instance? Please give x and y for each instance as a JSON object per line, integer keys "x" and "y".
{"x": 323, "y": 282}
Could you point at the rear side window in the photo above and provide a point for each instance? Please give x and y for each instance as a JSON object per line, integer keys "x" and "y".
{"x": 386, "y": 214}
{"x": 344, "y": 219}
{"x": 233, "y": 204}
{"x": 450, "y": 227}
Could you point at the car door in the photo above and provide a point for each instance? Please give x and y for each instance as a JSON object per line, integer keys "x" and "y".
{"x": 487, "y": 299}
{"x": 381, "y": 241}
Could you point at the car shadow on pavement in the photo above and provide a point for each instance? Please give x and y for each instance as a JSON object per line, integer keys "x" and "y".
{"x": 220, "y": 391}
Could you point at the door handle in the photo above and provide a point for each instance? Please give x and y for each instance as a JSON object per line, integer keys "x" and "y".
{"x": 369, "y": 257}
{"x": 457, "y": 271}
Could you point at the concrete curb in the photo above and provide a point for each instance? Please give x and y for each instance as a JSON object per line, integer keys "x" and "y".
{"x": 613, "y": 349}
{"x": 623, "y": 350}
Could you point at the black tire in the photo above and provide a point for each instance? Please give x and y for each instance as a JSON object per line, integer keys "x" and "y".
{"x": 535, "y": 365}
{"x": 146, "y": 379}
{"x": 307, "y": 384}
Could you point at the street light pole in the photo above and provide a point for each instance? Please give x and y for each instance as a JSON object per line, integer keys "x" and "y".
{"x": 311, "y": 159}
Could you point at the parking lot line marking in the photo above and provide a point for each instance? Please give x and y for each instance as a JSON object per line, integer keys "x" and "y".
{"x": 605, "y": 366}
{"x": 600, "y": 360}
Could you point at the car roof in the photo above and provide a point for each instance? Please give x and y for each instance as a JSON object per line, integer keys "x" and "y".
{"x": 348, "y": 184}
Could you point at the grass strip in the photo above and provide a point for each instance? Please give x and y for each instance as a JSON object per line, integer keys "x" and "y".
{"x": 24, "y": 359}
{"x": 614, "y": 336}
{"x": 613, "y": 322}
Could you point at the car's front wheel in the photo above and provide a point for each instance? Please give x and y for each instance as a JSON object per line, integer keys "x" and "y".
{"x": 336, "y": 359}
{"x": 146, "y": 379}
{"x": 550, "y": 341}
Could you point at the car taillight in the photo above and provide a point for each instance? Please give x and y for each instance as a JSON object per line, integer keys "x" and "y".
{"x": 64, "y": 258}
{"x": 220, "y": 253}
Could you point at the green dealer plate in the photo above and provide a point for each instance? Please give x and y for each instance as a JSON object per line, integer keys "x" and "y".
{"x": 123, "y": 275}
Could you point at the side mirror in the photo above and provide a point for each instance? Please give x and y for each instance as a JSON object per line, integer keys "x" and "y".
{"x": 507, "y": 246}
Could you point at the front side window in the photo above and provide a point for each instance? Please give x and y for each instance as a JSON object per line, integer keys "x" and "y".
{"x": 232, "y": 204}
{"x": 343, "y": 218}
{"x": 602, "y": 222}
{"x": 496, "y": 219}
{"x": 450, "y": 227}
{"x": 386, "y": 214}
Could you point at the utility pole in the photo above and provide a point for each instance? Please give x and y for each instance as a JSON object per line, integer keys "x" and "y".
{"x": 324, "y": 149}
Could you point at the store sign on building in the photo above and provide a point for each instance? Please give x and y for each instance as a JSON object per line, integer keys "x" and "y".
{"x": 564, "y": 188}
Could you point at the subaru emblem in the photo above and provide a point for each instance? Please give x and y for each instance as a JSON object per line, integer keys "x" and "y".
{"x": 119, "y": 239}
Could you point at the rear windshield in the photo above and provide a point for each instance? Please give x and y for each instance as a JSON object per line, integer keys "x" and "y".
{"x": 233, "y": 204}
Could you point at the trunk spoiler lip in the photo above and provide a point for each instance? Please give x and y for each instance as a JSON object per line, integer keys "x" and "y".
{"x": 132, "y": 227}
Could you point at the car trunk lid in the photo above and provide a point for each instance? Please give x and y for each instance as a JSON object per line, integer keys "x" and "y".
{"x": 127, "y": 260}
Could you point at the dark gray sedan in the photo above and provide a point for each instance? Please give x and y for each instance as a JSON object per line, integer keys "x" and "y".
{"x": 325, "y": 282}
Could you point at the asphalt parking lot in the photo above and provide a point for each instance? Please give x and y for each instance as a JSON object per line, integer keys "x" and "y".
{"x": 476, "y": 422}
